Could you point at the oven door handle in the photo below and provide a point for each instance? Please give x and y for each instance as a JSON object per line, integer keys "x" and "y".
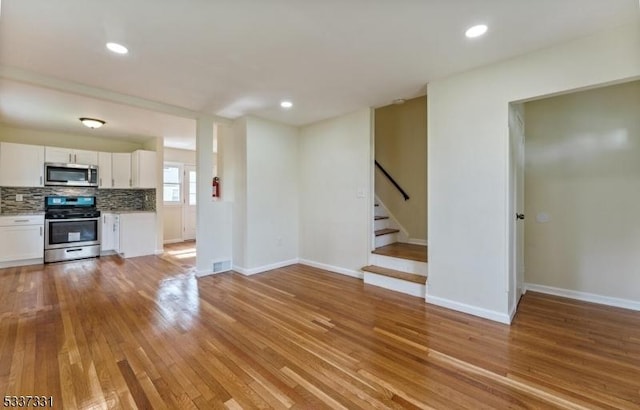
{"x": 97, "y": 218}
{"x": 73, "y": 250}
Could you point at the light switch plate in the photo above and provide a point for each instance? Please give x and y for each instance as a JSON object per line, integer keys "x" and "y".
{"x": 19, "y": 198}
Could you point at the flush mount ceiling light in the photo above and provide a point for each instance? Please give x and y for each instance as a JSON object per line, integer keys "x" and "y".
{"x": 476, "y": 31}
{"x": 117, "y": 48}
{"x": 286, "y": 104}
{"x": 399, "y": 101}
{"x": 92, "y": 123}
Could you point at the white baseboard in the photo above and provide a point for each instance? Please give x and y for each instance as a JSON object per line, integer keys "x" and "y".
{"x": 168, "y": 241}
{"x": 414, "y": 241}
{"x": 331, "y": 268}
{"x": 265, "y": 268}
{"x": 472, "y": 310}
{"x": 584, "y": 296}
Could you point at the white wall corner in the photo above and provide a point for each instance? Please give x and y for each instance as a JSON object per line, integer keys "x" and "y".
{"x": 472, "y": 310}
{"x": 415, "y": 241}
{"x": 336, "y": 269}
{"x": 584, "y": 296}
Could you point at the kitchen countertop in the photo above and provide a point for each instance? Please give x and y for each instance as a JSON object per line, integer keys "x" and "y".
{"x": 22, "y": 213}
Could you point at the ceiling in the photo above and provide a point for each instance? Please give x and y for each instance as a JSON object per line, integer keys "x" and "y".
{"x": 229, "y": 58}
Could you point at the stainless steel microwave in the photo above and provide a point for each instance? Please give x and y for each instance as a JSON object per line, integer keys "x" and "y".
{"x": 56, "y": 174}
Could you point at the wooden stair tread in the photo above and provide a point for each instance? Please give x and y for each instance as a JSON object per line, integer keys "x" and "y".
{"x": 401, "y": 250}
{"x": 386, "y": 231}
{"x": 392, "y": 273}
{"x": 377, "y": 218}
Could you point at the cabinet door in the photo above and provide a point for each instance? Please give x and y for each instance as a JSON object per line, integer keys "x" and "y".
{"x": 143, "y": 169}
{"x": 85, "y": 157}
{"x": 21, "y": 165}
{"x": 59, "y": 155}
{"x": 121, "y": 170}
{"x": 105, "y": 178}
{"x": 21, "y": 242}
{"x": 108, "y": 233}
{"x": 137, "y": 234}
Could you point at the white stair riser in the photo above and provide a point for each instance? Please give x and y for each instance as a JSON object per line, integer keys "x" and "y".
{"x": 398, "y": 285}
{"x": 404, "y": 265}
{"x": 387, "y": 239}
{"x": 379, "y": 211}
{"x": 380, "y": 224}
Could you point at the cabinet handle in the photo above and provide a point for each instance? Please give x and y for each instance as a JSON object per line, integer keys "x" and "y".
{"x": 75, "y": 158}
{"x": 69, "y": 157}
{"x": 40, "y": 179}
{"x": 20, "y": 220}
{"x": 101, "y": 181}
{"x": 113, "y": 183}
{"x": 130, "y": 184}
{"x": 104, "y": 219}
{"x": 40, "y": 231}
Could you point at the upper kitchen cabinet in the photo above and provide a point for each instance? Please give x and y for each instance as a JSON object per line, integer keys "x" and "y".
{"x": 105, "y": 176}
{"x": 121, "y": 170}
{"x": 21, "y": 165}
{"x": 143, "y": 169}
{"x": 70, "y": 156}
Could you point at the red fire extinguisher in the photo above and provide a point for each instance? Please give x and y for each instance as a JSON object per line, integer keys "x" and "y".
{"x": 215, "y": 187}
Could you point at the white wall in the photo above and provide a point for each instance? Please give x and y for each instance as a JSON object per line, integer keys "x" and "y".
{"x": 214, "y": 235}
{"x": 234, "y": 187}
{"x": 272, "y": 193}
{"x": 334, "y": 165}
{"x": 583, "y": 172}
{"x": 66, "y": 140}
{"x": 172, "y": 216}
{"x": 183, "y": 156}
{"x": 469, "y": 222}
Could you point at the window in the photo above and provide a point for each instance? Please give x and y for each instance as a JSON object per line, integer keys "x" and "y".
{"x": 172, "y": 184}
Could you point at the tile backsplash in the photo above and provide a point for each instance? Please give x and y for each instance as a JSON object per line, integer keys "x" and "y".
{"x": 106, "y": 199}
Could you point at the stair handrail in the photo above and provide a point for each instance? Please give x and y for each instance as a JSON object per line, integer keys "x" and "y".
{"x": 393, "y": 181}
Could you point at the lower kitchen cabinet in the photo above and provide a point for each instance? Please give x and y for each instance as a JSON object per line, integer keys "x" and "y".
{"x": 21, "y": 239}
{"x": 109, "y": 237}
{"x": 137, "y": 234}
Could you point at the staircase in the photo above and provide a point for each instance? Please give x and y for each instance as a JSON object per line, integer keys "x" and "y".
{"x": 397, "y": 266}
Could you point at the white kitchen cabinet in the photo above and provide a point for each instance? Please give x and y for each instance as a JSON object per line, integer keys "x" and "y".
{"x": 70, "y": 156}
{"x": 105, "y": 177}
{"x": 21, "y": 165}
{"x": 108, "y": 233}
{"x": 120, "y": 170}
{"x": 21, "y": 238}
{"x": 143, "y": 169}
{"x": 137, "y": 234}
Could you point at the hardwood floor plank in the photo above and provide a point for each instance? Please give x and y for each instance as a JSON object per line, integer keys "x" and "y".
{"x": 146, "y": 333}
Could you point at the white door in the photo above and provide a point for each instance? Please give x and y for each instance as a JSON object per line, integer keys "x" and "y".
{"x": 189, "y": 208}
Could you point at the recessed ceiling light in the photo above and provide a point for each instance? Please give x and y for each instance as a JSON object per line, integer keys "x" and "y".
{"x": 286, "y": 104}
{"x": 476, "y": 31}
{"x": 399, "y": 101}
{"x": 117, "y": 48}
{"x": 91, "y": 122}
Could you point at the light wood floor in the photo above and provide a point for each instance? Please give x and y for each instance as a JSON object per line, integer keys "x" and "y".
{"x": 403, "y": 250}
{"x": 145, "y": 332}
